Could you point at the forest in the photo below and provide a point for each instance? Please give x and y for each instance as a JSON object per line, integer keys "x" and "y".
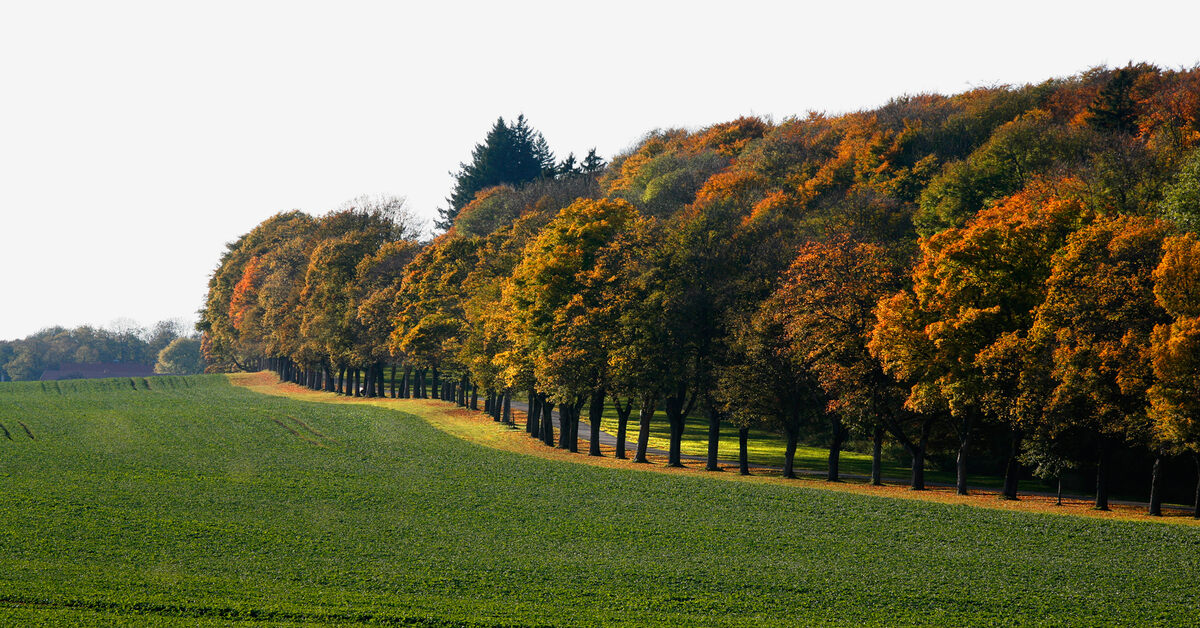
{"x": 1004, "y": 279}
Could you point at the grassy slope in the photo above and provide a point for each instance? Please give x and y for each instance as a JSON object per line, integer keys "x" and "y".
{"x": 187, "y": 503}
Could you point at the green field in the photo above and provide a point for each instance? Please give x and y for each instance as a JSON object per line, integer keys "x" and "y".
{"x": 187, "y": 501}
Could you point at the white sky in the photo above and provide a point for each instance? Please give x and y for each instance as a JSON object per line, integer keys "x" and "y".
{"x": 137, "y": 138}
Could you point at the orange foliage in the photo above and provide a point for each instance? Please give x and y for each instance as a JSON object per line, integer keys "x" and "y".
{"x": 727, "y": 138}
{"x": 245, "y": 293}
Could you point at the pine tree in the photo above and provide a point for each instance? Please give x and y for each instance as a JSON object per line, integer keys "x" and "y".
{"x": 1114, "y": 109}
{"x": 567, "y": 167}
{"x": 592, "y": 163}
{"x": 510, "y": 154}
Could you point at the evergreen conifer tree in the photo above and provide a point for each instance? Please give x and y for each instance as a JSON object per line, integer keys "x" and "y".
{"x": 510, "y": 154}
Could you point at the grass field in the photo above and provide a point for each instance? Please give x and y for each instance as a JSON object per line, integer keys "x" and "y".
{"x": 187, "y": 501}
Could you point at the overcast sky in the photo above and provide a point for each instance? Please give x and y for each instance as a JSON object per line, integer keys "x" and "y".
{"x": 136, "y": 139}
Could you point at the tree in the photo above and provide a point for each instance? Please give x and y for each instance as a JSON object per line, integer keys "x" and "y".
{"x": 1092, "y": 336}
{"x": 592, "y": 163}
{"x": 510, "y": 154}
{"x": 558, "y": 305}
{"x": 976, "y": 288}
{"x": 769, "y": 380}
{"x": 827, "y": 302}
{"x": 181, "y": 357}
{"x": 1175, "y": 350}
{"x": 1181, "y": 199}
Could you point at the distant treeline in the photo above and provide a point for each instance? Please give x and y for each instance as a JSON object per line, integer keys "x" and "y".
{"x": 53, "y": 347}
{"x": 1006, "y": 275}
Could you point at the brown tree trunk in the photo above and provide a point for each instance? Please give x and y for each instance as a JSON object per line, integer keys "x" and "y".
{"x": 960, "y": 466}
{"x": 645, "y": 413}
{"x": 393, "y": 381}
{"x": 576, "y": 412}
{"x": 674, "y": 453}
{"x": 1196, "y": 504}
{"x": 743, "y": 451}
{"x": 917, "y": 482}
{"x": 1102, "y": 475}
{"x": 547, "y": 423}
{"x": 508, "y": 418}
{"x": 1155, "y": 509}
{"x": 564, "y": 425}
{"x": 595, "y": 413}
{"x": 622, "y": 424}
{"x": 534, "y": 415}
{"x": 677, "y": 410}
{"x": 877, "y": 456}
{"x": 791, "y": 433}
{"x": 714, "y": 436}
{"x": 918, "y": 470}
{"x": 1012, "y": 471}
{"x": 835, "y": 448}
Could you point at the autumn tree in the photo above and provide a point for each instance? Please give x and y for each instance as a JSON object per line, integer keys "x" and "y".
{"x": 1175, "y": 350}
{"x": 769, "y": 381}
{"x": 975, "y": 290}
{"x": 1092, "y": 336}
{"x": 559, "y": 307}
{"x": 827, "y": 303}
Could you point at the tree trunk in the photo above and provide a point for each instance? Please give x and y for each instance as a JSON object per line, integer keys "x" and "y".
{"x": 547, "y": 423}
{"x": 791, "y": 433}
{"x": 532, "y": 413}
{"x": 595, "y": 413}
{"x": 1012, "y": 471}
{"x": 835, "y": 448}
{"x": 1102, "y": 475}
{"x": 674, "y": 455}
{"x": 743, "y": 451}
{"x": 474, "y": 396}
{"x": 645, "y": 413}
{"x": 877, "y": 457}
{"x": 380, "y": 381}
{"x": 917, "y": 482}
{"x": 622, "y": 424}
{"x": 406, "y": 383}
{"x": 508, "y": 418}
{"x": 714, "y": 436}
{"x": 576, "y": 412}
{"x": 1059, "y": 491}
{"x": 437, "y": 382}
{"x": 393, "y": 381}
{"x": 564, "y": 424}
{"x": 960, "y": 466}
{"x": 1155, "y": 509}
{"x": 533, "y": 421}
{"x": 676, "y": 419}
{"x": 1196, "y": 504}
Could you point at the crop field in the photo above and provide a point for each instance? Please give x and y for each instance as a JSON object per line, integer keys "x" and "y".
{"x": 188, "y": 501}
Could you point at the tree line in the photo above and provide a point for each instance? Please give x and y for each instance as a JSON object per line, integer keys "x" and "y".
{"x": 1009, "y": 274}
{"x": 123, "y": 341}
